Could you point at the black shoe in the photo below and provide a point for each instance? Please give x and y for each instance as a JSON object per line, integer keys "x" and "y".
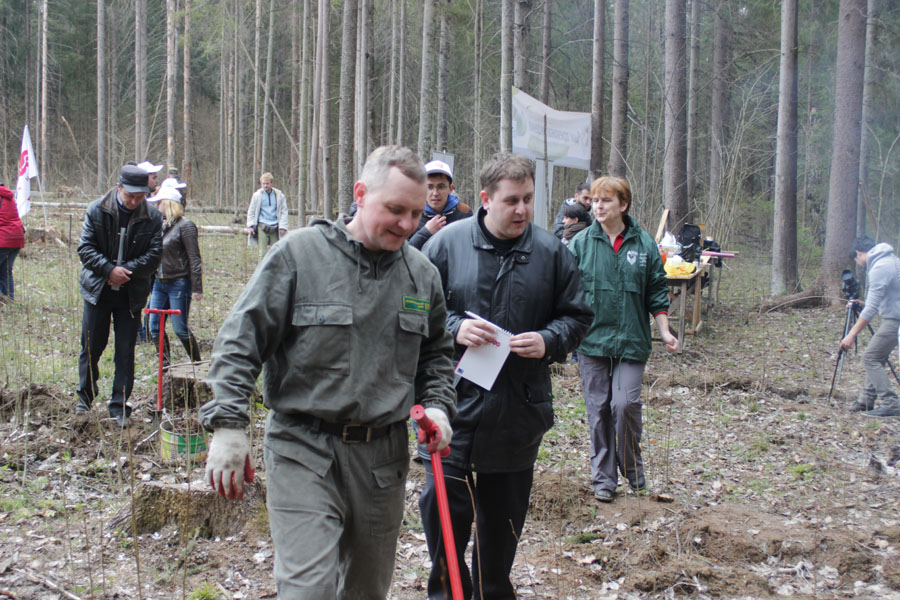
{"x": 604, "y": 495}
{"x": 862, "y": 406}
{"x": 891, "y": 410}
{"x": 82, "y": 407}
{"x": 120, "y": 415}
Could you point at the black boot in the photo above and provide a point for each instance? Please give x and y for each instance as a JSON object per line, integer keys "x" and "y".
{"x": 166, "y": 351}
{"x": 191, "y": 347}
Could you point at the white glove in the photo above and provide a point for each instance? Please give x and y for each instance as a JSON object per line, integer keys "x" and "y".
{"x": 444, "y": 434}
{"x": 228, "y": 462}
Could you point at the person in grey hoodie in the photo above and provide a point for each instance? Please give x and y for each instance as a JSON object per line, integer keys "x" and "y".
{"x": 347, "y": 323}
{"x": 882, "y": 298}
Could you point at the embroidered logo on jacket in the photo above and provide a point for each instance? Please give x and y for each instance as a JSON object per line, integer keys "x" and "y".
{"x": 419, "y": 305}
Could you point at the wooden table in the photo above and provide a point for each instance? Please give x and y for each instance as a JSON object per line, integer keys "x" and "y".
{"x": 683, "y": 283}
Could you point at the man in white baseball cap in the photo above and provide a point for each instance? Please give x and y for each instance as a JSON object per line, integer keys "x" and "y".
{"x": 152, "y": 177}
{"x": 442, "y": 206}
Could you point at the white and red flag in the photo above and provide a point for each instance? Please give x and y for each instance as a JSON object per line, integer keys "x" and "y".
{"x": 27, "y": 170}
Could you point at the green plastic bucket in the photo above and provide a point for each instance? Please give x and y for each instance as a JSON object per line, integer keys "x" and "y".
{"x": 175, "y": 442}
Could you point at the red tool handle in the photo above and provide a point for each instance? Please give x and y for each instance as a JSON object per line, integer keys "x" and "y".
{"x": 162, "y": 333}
{"x": 417, "y": 412}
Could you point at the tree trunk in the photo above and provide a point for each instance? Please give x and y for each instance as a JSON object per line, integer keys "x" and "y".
{"x": 303, "y": 135}
{"x": 140, "y": 79}
{"x": 863, "y": 202}
{"x": 840, "y": 222}
{"x": 222, "y": 176}
{"x": 395, "y": 61}
{"x": 101, "y": 96}
{"x": 545, "y": 55}
{"x": 506, "y": 65}
{"x": 401, "y": 84}
{"x": 718, "y": 107}
{"x": 297, "y": 26}
{"x": 257, "y": 40}
{"x": 324, "y": 100}
{"x": 675, "y": 161}
{"x": 693, "y": 66}
{"x": 477, "y": 54}
{"x": 426, "y": 90}
{"x": 520, "y": 44}
{"x": 784, "y": 248}
{"x": 618, "y": 132}
{"x": 236, "y": 112}
{"x": 171, "y": 61}
{"x": 345, "y": 110}
{"x": 597, "y": 77}
{"x": 268, "y": 90}
{"x": 369, "y": 97}
{"x": 443, "y": 88}
{"x": 45, "y": 80}
{"x": 188, "y": 157}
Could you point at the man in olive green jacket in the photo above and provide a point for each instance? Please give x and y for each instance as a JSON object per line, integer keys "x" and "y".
{"x": 348, "y": 323}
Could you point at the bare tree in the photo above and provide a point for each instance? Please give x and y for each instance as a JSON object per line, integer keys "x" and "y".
{"x": 862, "y": 204}
{"x": 101, "y": 95}
{"x": 443, "y": 91}
{"x": 395, "y": 61}
{"x": 477, "y": 54}
{"x": 303, "y": 134}
{"x": 597, "y": 76}
{"x": 784, "y": 249}
{"x": 840, "y": 222}
{"x": 520, "y": 43}
{"x": 675, "y": 160}
{"x": 297, "y": 26}
{"x": 618, "y": 133}
{"x": 188, "y": 157}
{"x": 140, "y": 78}
{"x": 545, "y": 55}
{"x": 257, "y": 40}
{"x": 171, "y": 61}
{"x": 506, "y": 64}
{"x": 401, "y": 71}
{"x": 345, "y": 110}
{"x": 719, "y": 105}
{"x": 693, "y": 66}
{"x": 45, "y": 79}
{"x": 324, "y": 101}
{"x": 268, "y": 89}
{"x": 426, "y": 98}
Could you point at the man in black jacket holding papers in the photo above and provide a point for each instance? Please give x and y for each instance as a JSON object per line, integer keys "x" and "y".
{"x": 518, "y": 278}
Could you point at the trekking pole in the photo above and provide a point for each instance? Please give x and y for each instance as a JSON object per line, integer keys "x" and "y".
{"x": 426, "y": 425}
{"x": 162, "y": 312}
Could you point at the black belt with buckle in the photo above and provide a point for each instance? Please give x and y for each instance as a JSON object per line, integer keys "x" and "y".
{"x": 350, "y": 433}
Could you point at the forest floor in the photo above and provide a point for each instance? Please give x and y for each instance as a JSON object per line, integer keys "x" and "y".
{"x": 759, "y": 487}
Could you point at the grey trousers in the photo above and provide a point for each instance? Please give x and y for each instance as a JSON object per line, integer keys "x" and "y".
{"x": 265, "y": 240}
{"x": 878, "y": 352}
{"x": 336, "y": 535}
{"x": 612, "y": 394}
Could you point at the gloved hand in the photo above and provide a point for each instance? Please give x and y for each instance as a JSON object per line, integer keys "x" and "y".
{"x": 228, "y": 462}
{"x": 442, "y": 435}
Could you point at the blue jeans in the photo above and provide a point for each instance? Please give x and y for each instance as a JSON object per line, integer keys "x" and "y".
{"x": 172, "y": 295}
{"x": 7, "y": 257}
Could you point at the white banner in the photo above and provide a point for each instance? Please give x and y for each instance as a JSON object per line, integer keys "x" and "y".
{"x": 27, "y": 170}
{"x": 568, "y": 133}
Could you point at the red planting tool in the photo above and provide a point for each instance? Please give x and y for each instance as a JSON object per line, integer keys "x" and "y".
{"x": 162, "y": 334}
{"x": 427, "y": 426}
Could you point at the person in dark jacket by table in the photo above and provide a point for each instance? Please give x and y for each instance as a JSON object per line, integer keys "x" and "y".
{"x": 519, "y": 277}
{"x": 625, "y": 283}
{"x": 179, "y": 279}
{"x": 114, "y": 289}
{"x": 12, "y": 239}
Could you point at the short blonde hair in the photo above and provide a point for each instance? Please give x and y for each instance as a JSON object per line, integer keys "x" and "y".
{"x": 266, "y": 177}
{"x": 171, "y": 209}
{"x": 617, "y": 185}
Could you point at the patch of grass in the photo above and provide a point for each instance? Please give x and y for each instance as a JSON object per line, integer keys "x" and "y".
{"x": 582, "y": 538}
{"x": 206, "y": 591}
{"x": 802, "y": 471}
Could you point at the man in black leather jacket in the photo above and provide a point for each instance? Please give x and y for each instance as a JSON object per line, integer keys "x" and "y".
{"x": 519, "y": 277}
{"x": 114, "y": 289}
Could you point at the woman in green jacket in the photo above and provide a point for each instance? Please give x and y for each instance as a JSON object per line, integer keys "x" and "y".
{"x": 624, "y": 283}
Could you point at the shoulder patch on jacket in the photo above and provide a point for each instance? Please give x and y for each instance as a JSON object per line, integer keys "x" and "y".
{"x": 419, "y": 305}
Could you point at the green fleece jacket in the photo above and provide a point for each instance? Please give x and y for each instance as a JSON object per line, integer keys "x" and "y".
{"x": 340, "y": 334}
{"x": 623, "y": 288}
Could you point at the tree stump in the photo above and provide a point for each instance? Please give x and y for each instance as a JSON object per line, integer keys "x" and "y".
{"x": 185, "y": 387}
{"x": 199, "y": 509}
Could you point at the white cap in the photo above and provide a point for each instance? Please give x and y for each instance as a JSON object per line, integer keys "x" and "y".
{"x": 173, "y": 183}
{"x": 149, "y": 167}
{"x": 166, "y": 192}
{"x": 437, "y": 167}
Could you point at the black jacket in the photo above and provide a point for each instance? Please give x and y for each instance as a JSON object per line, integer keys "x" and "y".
{"x": 535, "y": 287}
{"x": 457, "y": 213}
{"x": 98, "y": 249}
{"x": 181, "y": 255}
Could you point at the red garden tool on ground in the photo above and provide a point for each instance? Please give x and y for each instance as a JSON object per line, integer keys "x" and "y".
{"x": 427, "y": 426}
{"x": 162, "y": 333}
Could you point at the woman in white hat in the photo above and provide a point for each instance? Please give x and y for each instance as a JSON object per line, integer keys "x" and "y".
{"x": 179, "y": 278}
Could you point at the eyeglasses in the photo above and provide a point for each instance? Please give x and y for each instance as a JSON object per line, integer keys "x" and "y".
{"x": 439, "y": 187}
